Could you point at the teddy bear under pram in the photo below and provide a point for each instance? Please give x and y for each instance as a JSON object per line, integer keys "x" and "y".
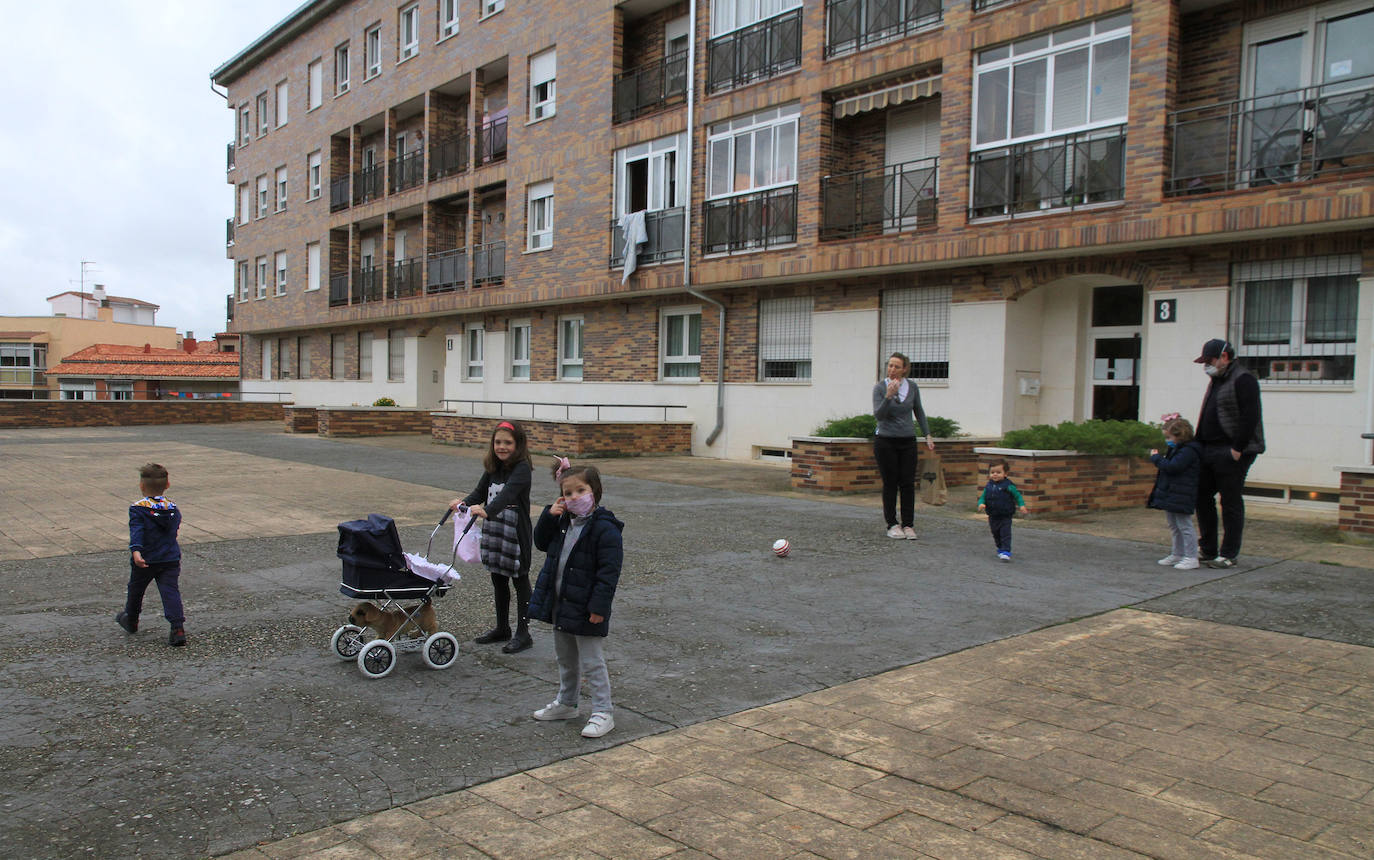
{"x": 399, "y": 589}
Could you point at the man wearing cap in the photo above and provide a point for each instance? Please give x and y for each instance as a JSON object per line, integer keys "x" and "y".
{"x": 1231, "y": 432}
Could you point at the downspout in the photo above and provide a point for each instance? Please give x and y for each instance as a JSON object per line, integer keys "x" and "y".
{"x": 687, "y": 226}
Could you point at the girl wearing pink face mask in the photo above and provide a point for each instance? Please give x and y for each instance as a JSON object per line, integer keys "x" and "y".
{"x": 575, "y": 589}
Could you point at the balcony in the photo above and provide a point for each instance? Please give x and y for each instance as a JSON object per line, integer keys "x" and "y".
{"x": 491, "y": 141}
{"x": 338, "y": 291}
{"x": 229, "y": 159}
{"x": 650, "y": 88}
{"x": 755, "y": 221}
{"x": 488, "y": 263}
{"x": 338, "y": 194}
{"x": 407, "y": 171}
{"x": 448, "y": 271}
{"x": 448, "y": 157}
{"x": 883, "y": 200}
{"x": 228, "y": 232}
{"x": 405, "y": 278}
{"x": 1292, "y": 136}
{"x": 367, "y": 185}
{"x": 852, "y": 25}
{"x": 229, "y": 308}
{"x": 756, "y": 52}
{"x": 665, "y": 229}
{"x": 367, "y": 284}
{"x": 1063, "y": 172}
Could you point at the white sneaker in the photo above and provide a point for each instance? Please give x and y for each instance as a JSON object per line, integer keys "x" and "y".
{"x": 908, "y": 532}
{"x": 1187, "y": 564}
{"x": 556, "y": 710}
{"x": 598, "y": 725}
{"x": 1170, "y": 559}
{"x": 896, "y": 532}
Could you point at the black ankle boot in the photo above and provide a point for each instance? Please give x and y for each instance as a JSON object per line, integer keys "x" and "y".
{"x": 495, "y": 634}
{"x": 519, "y": 642}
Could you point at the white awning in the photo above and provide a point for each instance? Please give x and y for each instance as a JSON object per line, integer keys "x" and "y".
{"x": 887, "y": 97}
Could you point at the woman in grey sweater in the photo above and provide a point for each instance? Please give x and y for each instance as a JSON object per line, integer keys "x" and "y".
{"x": 896, "y": 402}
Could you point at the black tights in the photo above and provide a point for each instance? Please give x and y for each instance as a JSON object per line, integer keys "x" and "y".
{"x": 500, "y": 584}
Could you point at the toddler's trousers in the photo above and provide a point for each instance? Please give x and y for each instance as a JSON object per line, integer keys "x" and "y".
{"x": 582, "y": 657}
{"x": 1001, "y": 532}
{"x": 1185, "y": 536}
{"x": 165, "y": 574}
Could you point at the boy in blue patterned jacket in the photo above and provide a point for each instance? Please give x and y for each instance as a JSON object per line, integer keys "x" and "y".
{"x": 154, "y": 554}
{"x": 1000, "y": 499}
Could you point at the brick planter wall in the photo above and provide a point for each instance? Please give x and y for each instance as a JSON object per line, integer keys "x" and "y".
{"x": 1066, "y": 482}
{"x": 300, "y": 419}
{"x": 370, "y": 421}
{"x": 574, "y": 438}
{"x": 1357, "y": 500}
{"x": 123, "y": 413}
{"x": 846, "y": 465}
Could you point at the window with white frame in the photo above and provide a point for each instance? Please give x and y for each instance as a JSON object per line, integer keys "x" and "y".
{"x": 1071, "y": 80}
{"x": 915, "y": 322}
{"x": 261, "y": 266}
{"x": 727, "y": 15}
{"x": 281, "y": 189}
{"x": 314, "y": 91}
{"x": 754, "y": 152}
{"x": 491, "y": 7}
{"x": 245, "y": 203}
{"x": 23, "y": 362}
{"x": 302, "y": 358}
{"x": 312, "y": 266}
{"x": 540, "y": 218}
{"x": 543, "y": 77}
{"x": 396, "y": 355}
{"x": 448, "y": 18}
{"x": 1297, "y": 320}
{"x": 120, "y": 389}
{"x": 519, "y": 338}
{"x": 570, "y": 347}
{"x": 785, "y": 339}
{"x": 245, "y": 281}
{"x": 408, "y": 32}
{"x": 474, "y": 337}
{"x": 338, "y": 356}
{"x": 312, "y": 172}
{"x": 372, "y": 52}
{"x": 245, "y": 125}
{"x": 283, "y": 350}
{"x": 264, "y": 115}
{"x": 680, "y": 339}
{"x": 341, "y": 69}
{"x": 649, "y": 176}
{"x": 283, "y": 104}
{"x": 264, "y": 195}
{"x": 77, "y": 390}
{"x": 364, "y": 355}
{"x": 266, "y": 357}
{"x": 281, "y": 273}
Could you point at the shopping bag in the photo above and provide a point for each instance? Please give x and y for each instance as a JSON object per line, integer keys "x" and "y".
{"x": 933, "y": 489}
{"x": 467, "y": 538}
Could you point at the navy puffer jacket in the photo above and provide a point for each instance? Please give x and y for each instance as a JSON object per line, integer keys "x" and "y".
{"x": 590, "y": 578}
{"x": 1176, "y": 484}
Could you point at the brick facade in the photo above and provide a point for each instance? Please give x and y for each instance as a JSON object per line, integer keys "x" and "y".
{"x": 122, "y": 413}
{"x": 348, "y": 421}
{"x": 1357, "y": 502}
{"x": 846, "y": 465}
{"x": 573, "y": 438}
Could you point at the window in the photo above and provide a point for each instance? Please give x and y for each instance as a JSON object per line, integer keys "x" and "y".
{"x": 408, "y": 28}
{"x": 262, "y": 277}
{"x": 520, "y": 350}
{"x": 312, "y": 266}
{"x": 1074, "y": 79}
{"x": 338, "y": 356}
{"x": 364, "y": 355}
{"x": 341, "y": 69}
{"x": 753, "y": 152}
{"x": 473, "y": 348}
{"x": 540, "y": 216}
{"x": 727, "y": 15}
{"x": 23, "y": 362}
{"x": 266, "y": 363}
{"x": 264, "y": 119}
{"x": 245, "y": 281}
{"x": 915, "y": 322}
{"x": 245, "y": 203}
{"x": 372, "y": 53}
{"x": 283, "y": 104}
{"x": 312, "y": 172}
{"x": 543, "y": 72}
{"x": 302, "y": 358}
{"x": 570, "y": 348}
{"x": 119, "y": 390}
{"x": 1296, "y": 320}
{"x": 395, "y": 355}
{"x": 281, "y": 189}
{"x": 314, "y": 90}
{"x": 245, "y": 125}
{"x": 448, "y": 18}
{"x": 785, "y": 339}
{"x": 681, "y": 339}
{"x": 491, "y": 7}
{"x": 283, "y": 369}
{"x": 263, "y": 196}
{"x": 78, "y": 390}
{"x": 281, "y": 273}
{"x": 648, "y": 176}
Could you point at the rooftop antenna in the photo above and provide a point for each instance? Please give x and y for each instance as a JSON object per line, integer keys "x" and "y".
{"x": 84, "y": 264}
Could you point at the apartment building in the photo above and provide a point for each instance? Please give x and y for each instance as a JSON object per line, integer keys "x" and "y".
{"x": 1048, "y": 205}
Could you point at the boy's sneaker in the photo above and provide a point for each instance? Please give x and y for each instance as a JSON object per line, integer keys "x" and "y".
{"x": 1221, "y": 562}
{"x": 556, "y": 710}
{"x": 130, "y": 625}
{"x": 1170, "y": 559}
{"x": 896, "y": 532}
{"x": 598, "y": 725}
{"x": 1187, "y": 564}
{"x": 176, "y": 637}
{"x": 1004, "y": 556}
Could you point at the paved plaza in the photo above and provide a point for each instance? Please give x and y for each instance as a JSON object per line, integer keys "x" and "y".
{"x": 862, "y": 698}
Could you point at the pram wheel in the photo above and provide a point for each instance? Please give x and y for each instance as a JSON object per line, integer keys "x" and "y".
{"x": 440, "y": 650}
{"x": 377, "y": 658}
{"x": 347, "y": 641}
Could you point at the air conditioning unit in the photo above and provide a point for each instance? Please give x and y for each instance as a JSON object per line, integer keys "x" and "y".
{"x": 1296, "y": 368}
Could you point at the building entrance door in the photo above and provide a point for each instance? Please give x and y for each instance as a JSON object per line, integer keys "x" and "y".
{"x": 1114, "y": 369}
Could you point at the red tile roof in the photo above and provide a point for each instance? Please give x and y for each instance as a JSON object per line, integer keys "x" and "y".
{"x": 146, "y": 362}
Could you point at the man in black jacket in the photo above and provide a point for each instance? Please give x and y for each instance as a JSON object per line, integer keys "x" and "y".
{"x": 1231, "y": 430}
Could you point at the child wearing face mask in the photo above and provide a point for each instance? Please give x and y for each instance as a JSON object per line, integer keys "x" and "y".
{"x": 1175, "y": 490}
{"x": 575, "y": 589}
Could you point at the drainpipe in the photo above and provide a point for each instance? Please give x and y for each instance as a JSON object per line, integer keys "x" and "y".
{"x": 687, "y": 226}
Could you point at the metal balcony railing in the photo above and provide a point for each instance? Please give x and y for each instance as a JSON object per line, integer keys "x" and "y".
{"x": 754, "y": 221}
{"x": 881, "y": 200}
{"x": 1291, "y": 136}
{"x": 664, "y": 227}
{"x": 491, "y": 141}
{"x": 367, "y": 184}
{"x": 448, "y": 271}
{"x": 488, "y": 263}
{"x": 229, "y": 232}
{"x": 649, "y": 87}
{"x": 405, "y": 278}
{"x": 229, "y": 159}
{"x": 1062, "y": 172}
{"x": 338, "y": 194}
{"x": 407, "y": 171}
{"x": 852, "y": 25}
{"x": 367, "y": 284}
{"x": 448, "y": 156}
{"x": 338, "y": 291}
{"x": 755, "y": 52}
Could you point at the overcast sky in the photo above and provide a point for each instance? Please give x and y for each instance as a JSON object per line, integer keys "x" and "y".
{"x": 112, "y": 150}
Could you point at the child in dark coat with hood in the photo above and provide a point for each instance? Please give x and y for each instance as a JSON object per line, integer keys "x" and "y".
{"x": 575, "y": 589}
{"x": 154, "y": 554}
{"x": 1175, "y": 490}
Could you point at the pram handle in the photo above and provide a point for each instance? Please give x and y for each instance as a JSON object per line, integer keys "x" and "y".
{"x": 448, "y": 513}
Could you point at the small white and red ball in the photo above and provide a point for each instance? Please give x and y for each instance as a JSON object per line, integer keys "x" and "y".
{"x": 781, "y": 547}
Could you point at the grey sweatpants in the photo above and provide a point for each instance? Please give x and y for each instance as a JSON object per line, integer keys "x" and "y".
{"x": 581, "y": 657}
{"x": 1185, "y": 536}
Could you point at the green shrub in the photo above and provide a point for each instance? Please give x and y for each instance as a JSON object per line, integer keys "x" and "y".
{"x": 1089, "y": 437}
{"x": 864, "y": 426}
{"x": 943, "y": 428}
{"x": 384, "y": 401}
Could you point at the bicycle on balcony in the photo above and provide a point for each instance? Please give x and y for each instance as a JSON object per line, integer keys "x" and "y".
{"x": 1329, "y": 130}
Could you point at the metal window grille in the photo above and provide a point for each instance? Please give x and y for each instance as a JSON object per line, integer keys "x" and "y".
{"x": 915, "y": 322}
{"x": 785, "y": 339}
{"x": 302, "y": 358}
{"x": 364, "y": 355}
{"x": 1295, "y": 320}
{"x": 338, "y": 356}
{"x": 395, "y": 356}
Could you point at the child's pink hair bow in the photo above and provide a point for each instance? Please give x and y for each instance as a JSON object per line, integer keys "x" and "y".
{"x": 1168, "y": 416}
{"x": 563, "y": 466}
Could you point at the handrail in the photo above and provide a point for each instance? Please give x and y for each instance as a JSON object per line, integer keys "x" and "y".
{"x": 566, "y": 407}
